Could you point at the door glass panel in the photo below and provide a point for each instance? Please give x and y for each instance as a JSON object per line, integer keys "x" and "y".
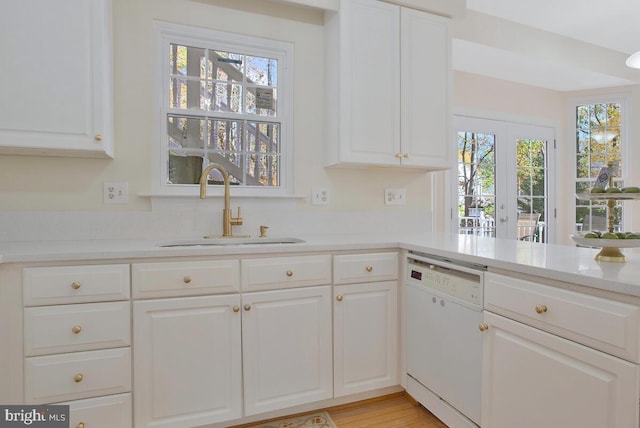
{"x": 532, "y": 189}
{"x": 476, "y": 183}
{"x": 504, "y": 171}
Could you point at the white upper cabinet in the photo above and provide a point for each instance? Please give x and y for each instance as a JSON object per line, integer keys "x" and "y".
{"x": 57, "y": 78}
{"x": 387, "y": 71}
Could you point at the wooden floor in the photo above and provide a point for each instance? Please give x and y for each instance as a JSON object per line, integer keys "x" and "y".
{"x": 391, "y": 411}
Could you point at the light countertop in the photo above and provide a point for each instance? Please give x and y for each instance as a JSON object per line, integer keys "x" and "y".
{"x": 563, "y": 263}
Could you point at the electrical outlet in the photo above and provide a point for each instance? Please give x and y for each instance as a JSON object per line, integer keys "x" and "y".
{"x": 116, "y": 193}
{"x": 395, "y": 196}
{"x": 320, "y": 196}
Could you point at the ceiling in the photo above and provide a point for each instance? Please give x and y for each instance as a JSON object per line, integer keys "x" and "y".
{"x": 612, "y": 25}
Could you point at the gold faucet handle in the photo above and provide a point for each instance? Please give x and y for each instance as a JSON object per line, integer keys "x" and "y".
{"x": 263, "y": 231}
{"x": 236, "y": 221}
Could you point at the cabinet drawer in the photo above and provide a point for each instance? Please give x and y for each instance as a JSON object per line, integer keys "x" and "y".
{"x": 170, "y": 279}
{"x": 75, "y": 284}
{"x": 111, "y": 411}
{"x": 53, "y": 378}
{"x": 83, "y": 327}
{"x": 352, "y": 268}
{"x": 285, "y": 272}
{"x": 603, "y": 324}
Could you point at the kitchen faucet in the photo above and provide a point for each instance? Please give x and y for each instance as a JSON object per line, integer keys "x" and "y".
{"x": 227, "y": 220}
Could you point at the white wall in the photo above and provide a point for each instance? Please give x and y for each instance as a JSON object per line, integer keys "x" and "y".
{"x": 61, "y": 198}
{"x": 37, "y": 189}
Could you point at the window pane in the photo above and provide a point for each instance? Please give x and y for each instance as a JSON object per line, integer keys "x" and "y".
{"x": 185, "y": 94}
{"x": 263, "y": 137}
{"x": 185, "y": 134}
{"x": 184, "y": 169}
{"x": 476, "y": 183}
{"x": 262, "y": 101}
{"x": 264, "y": 169}
{"x": 186, "y": 61}
{"x": 228, "y": 98}
{"x": 227, "y": 66}
{"x": 262, "y": 71}
{"x": 225, "y": 136}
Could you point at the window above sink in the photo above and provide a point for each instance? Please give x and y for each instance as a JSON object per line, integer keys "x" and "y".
{"x": 222, "y": 98}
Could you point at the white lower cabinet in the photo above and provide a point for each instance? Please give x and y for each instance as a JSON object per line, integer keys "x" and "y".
{"x": 365, "y": 337}
{"x": 554, "y": 357}
{"x": 286, "y": 348}
{"x": 187, "y": 361}
{"x": 535, "y": 379}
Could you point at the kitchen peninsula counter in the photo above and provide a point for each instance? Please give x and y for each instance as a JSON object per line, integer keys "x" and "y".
{"x": 559, "y": 262}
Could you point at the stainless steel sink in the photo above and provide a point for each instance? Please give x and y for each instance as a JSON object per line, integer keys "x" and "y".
{"x": 207, "y": 242}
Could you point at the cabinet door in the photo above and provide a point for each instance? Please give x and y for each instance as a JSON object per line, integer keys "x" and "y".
{"x": 58, "y": 96}
{"x": 187, "y": 360}
{"x": 426, "y": 82}
{"x": 365, "y": 337}
{"x": 535, "y": 379}
{"x": 369, "y": 82}
{"x": 286, "y": 342}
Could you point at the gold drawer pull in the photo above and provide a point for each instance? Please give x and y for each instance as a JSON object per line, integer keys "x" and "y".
{"x": 339, "y": 298}
{"x": 78, "y": 378}
{"x": 187, "y": 279}
{"x": 80, "y": 425}
{"x": 75, "y": 285}
{"x": 289, "y": 273}
{"x": 76, "y": 329}
{"x": 483, "y": 327}
{"x": 98, "y": 137}
{"x": 247, "y": 307}
{"x": 236, "y": 308}
{"x": 541, "y": 309}
{"x": 369, "y": 268}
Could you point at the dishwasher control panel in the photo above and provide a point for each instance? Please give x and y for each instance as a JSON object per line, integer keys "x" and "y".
{"x": 459, "y": 282}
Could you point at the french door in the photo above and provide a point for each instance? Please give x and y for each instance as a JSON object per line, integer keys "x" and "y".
{"x": 504, "y": 185}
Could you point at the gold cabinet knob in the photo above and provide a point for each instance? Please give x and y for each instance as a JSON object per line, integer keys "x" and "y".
{"x": 236, "y": 308}
{"x": 98, "y": 137}
{"x": 247, "y": 307}
{"x": 76, "y": 329}
{"x": 369, "y": 268}
{"x": 80, "y": 425}
{"x": 187, "y": 279}
{"x": 405, "y": 155}
{"x": 339, "y": 298}
{"x": 398, "y": 155}
{"x": 75, "y": 285}
{"x": 289, "y": 273}
{"x": 483, "y": 327}
{"x": 78, "y": 378}
{"x": 541, "y": 309}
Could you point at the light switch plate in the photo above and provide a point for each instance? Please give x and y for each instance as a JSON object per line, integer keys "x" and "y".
{"x": 395, "y": 196}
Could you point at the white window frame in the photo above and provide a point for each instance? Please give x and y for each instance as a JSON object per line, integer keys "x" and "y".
{"x": 167, "y": 33}
{"x": 623, "y": 100}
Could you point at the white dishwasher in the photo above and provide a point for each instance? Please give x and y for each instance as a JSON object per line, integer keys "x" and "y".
{"x": 444, "y": 343}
